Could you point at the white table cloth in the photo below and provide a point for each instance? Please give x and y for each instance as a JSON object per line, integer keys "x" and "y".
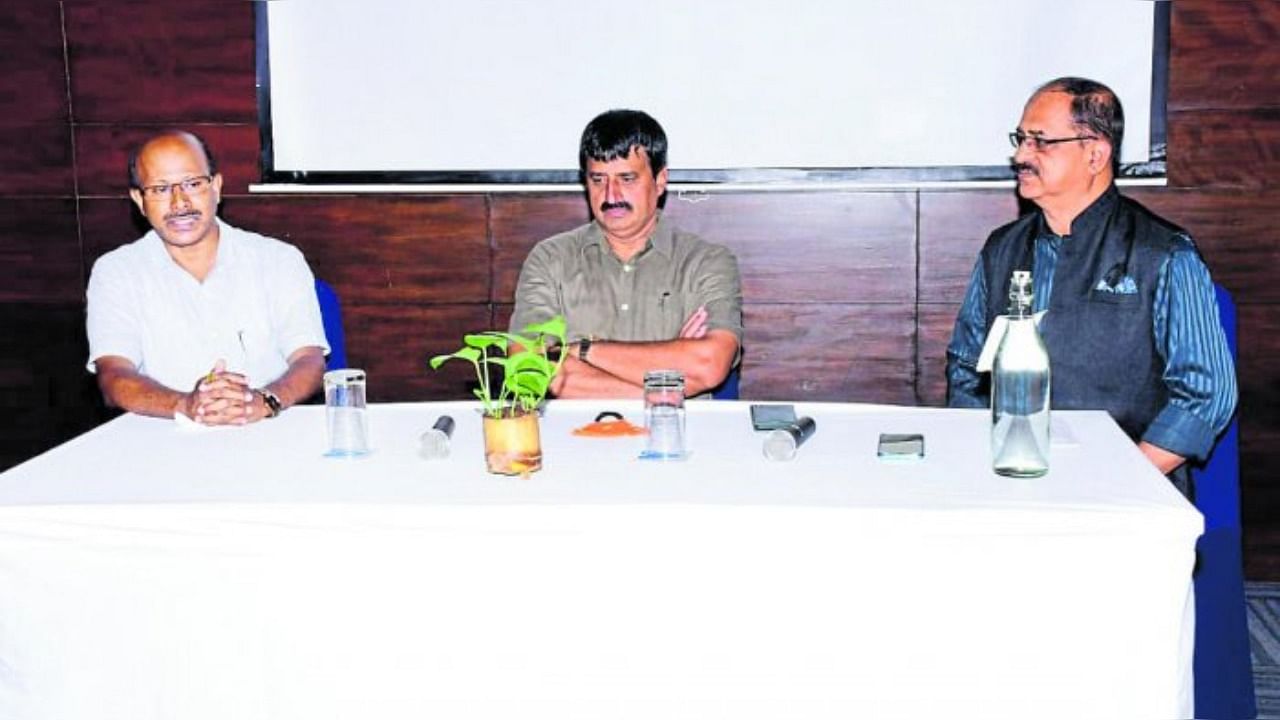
{"x": 152, "y": 572}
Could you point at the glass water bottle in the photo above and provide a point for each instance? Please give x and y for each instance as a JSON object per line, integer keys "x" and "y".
{"x": 1020, "y": 390}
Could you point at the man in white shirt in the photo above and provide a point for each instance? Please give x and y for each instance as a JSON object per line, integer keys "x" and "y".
{"x": 197, "y": 317}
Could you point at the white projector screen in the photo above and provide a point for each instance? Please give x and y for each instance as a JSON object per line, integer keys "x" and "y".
{"x": 494, "y": 91}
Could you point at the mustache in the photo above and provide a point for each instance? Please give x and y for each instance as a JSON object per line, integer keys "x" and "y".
{"x": 621, "y": 205}
{"x": 1020, "y": 167}
{"x": 182, "y": 214}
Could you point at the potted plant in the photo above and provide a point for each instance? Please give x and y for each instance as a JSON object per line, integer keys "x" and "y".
{"x": 512, "y": 445}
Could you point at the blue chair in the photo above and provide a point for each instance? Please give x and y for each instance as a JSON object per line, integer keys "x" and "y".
{"x": 331, "y": 315}
{"x": 727, "y": 390}
{"x": 1223, "y": 672}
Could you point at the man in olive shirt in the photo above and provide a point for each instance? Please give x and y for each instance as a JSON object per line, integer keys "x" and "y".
{"x": 637, "y": 294}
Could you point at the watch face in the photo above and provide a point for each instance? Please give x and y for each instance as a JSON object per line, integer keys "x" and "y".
{"x": 271, "y": 401}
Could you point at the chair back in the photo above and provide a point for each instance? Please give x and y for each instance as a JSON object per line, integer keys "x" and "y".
{"x": 331, "y": 315}
{"x": 727, "y": 390}
{"x": 1222, "y": 667}
{"x": 1217, "y": 483}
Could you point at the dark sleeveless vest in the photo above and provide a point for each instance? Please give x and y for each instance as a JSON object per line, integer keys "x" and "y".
{"x": 1102, "y": 352}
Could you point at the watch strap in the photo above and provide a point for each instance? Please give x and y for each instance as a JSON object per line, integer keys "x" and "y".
{"x": 271, "y": 400}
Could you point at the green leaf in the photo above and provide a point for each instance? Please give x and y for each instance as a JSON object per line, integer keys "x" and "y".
{"x": 528, "y": 376}
{"x": 469, "y": 354}
{"x": 512, "y": 339}
{"x": 485, "y": 340}
{"x": 555, "y": 327}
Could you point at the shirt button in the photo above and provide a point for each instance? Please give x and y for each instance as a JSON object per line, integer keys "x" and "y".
{"x": 625, "y": 307}
{"x": 626, "y": 268}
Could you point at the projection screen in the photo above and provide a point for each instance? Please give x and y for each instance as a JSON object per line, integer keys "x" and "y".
{"x": 400, "y": 91}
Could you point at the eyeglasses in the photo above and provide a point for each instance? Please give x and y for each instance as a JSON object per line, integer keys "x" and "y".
{"x": 190, "y": 186}
{"x": 1040, "y": 143}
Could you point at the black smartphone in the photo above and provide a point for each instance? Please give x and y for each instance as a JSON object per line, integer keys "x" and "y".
{"x": 772, "y": 417}
{"x": 900, "y": 447}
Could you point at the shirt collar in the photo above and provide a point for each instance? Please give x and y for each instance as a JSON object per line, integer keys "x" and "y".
{"x": 1091, "y": 219}
{"x": 226, "y": 249}
{"x": 662, "y": 239}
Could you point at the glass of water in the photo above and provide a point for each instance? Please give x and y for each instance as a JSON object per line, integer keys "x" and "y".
{"x": 664, "y": 415}
{"x": 346, "y": 412}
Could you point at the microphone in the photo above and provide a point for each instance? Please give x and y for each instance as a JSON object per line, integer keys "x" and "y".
{"x": 780, "y": 445}
{"x": 434, "y": 443}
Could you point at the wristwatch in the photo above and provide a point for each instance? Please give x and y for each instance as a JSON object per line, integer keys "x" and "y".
{"x": 584, "y": 349}
{"x": 271, "y": 401}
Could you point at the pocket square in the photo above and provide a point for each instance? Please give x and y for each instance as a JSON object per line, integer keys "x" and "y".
{"x": 1126, "y": 286}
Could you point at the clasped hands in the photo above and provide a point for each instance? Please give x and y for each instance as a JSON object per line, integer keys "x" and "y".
{"x": 223, "y": 398}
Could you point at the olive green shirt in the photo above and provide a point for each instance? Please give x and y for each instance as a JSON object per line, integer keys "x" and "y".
{"x": 647, "y": 298}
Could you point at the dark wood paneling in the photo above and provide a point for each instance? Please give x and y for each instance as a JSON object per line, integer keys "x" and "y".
{"x": 381, "y": 250}
{"x": 1224, "y": 55}
{"x": 106, "y": 224}
{"x": 1224, "y": 148}
{"x": 39, "y": 251}
{"x": 812, "y": 247}
{"x": 36, "y": 159}
{"x": 102, "y": 155}
{"x": 815, "y": 351}
{"x": 46, "y": 394}
{"x": 392, "y": 343}
{"x": 518, "y": 222}
{"x": 33, "y": 76}
{"x": 953, "y": 228}
{"x": 161, "y": 62}
{"x": 934, "y": 324}
{"x": 1236, "y": 232}
{"x": 1259, "y": 368}
{"x": 35, "y": 135}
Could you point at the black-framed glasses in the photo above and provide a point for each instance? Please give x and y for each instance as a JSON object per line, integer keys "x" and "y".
{"x": 1039, "y": 143}
{"x": 191, "y": 186}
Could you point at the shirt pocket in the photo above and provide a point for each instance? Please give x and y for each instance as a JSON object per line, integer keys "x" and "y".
{"x": 671, "y": 313}
{"x": 1115, "y": 299}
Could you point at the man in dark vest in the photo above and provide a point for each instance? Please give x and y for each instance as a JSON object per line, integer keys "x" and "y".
{"x": 1132, "y": 324}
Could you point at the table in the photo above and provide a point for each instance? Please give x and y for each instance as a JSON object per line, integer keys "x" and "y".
{"x": 152, "y": 572}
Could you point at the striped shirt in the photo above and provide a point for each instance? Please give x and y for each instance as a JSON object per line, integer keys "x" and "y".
{"x": 1199, "y": 372}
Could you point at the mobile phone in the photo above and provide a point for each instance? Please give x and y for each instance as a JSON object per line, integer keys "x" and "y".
{"x": 772, "y": 417}
{"x": 900, "y": 447}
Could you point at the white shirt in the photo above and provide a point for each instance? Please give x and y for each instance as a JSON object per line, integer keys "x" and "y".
{"x": 255, "y": 308}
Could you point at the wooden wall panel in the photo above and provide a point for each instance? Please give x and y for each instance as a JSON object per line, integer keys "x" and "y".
{"x": 39, "y": 251}
{"x": 35, "y": 136}
{"x": 838, "y": 352}
{"x": 518, "y": 223}
{"x": 953, "y": 228}
{"x": 934, "y": 324}
{"x": 33, "y": 76}
{"x": 154, "y": 62}
{"x": 102, "y": 155}
{"x": 1224, "y": 55}
{"x": 1225, "y": 148}
{"x": 36, "y": 158}
{"x": 1259, "y": 368}
{"x": 381, "y": 250}
{"x": 812, "y": 247}
{"x": 1236, "y": 232}
{"x": 392, "y": 343}
{"x": 106, "y": 224}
